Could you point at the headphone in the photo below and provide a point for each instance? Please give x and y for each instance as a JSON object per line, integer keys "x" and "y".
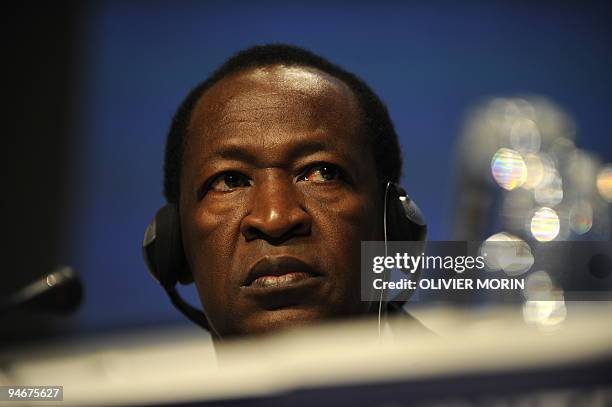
{"x": 162, "y": 247}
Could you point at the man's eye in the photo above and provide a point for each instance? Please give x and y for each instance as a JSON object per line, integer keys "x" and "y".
{"x": 229, "y": 181}
{"x": 321, "y": 173}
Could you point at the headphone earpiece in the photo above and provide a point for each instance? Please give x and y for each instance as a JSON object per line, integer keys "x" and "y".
{"x": 405, "y": 222}
{"x": 404, "y": 218}
{"x": 162, "y": 248}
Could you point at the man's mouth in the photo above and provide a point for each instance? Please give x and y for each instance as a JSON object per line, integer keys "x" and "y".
{"x": 279, "y": 272}
{"x": 279, "y": 281}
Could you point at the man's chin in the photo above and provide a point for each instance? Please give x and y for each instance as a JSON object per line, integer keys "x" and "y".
{"x": 268, "y": 321}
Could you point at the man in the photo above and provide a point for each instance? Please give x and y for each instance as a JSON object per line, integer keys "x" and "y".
{"x": 277, "y": 164}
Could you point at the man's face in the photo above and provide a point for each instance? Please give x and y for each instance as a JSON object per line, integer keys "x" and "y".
{"x": 278, "y": 189}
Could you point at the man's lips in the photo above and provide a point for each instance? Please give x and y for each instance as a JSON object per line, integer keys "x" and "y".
{"x": 277, "y": 272}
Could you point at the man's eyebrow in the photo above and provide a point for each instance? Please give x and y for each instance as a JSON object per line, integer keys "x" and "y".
{"x": 299, "y": 149}
{"x": 234, "y": 153}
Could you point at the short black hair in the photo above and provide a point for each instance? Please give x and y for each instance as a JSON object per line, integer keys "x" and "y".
{"x": 376, "y": 121}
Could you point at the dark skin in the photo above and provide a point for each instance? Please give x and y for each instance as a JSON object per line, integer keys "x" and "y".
{"x": 278, "y": 189}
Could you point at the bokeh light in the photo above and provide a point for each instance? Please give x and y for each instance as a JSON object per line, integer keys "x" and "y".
{"x": 525, "y": 136}
{"x": 492, "y": 252}
{"x": 551, "y": 192}
{"x": 515, "y": 208}
{"x": 564, "y": 223}
{"x": 580, "y": 170}
{"x": 545, "y": 224}
{"x": 581, "y": 217}
{"x": 545, "y": 304}
{"x": 538, "y": 286}
{"x": 604, "y": 182}
{"x": 518, "y": 259}
{"x": 508, "y": 168}
{"x": 535, "y": 171}
{"x": 504, "y": 251}
{"x": 546, "y": 315}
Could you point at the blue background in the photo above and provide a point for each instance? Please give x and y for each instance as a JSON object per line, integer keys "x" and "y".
{"x": 428, "y": 61}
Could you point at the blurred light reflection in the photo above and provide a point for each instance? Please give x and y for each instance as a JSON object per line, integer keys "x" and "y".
{"x": 545, "y": 304}
{"x": 535, "y": 171}
{"x": 604, "y": 182}
{"x": 550, "y": 194}
{"x": 545, "y": 314}
{"x": 525, "y": 136}
{"x": 581, "y": 217}
{"x": 538, "y": 286}
{"x": 545, "y": 224}
{"x": 493, "y": 252}
{"x": 507, "y": 252}
{"x": 508, "y": 168}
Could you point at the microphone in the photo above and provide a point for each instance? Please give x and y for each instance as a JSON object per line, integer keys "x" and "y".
{"x": 59, "y": 292}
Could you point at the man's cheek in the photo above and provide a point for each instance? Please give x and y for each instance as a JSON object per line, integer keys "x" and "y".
{"x": 213, "y": 295}
{"x": 209, "y": 248}
{"x": 357, "y": 224}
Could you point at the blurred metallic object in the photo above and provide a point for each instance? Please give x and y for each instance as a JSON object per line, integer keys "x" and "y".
{"x": 517, "y": 155}
{"x": 522, "y": 180}
{"x": 509, "y": 141}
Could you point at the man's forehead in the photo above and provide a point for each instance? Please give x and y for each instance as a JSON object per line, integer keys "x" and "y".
{"x": 276, "y": 96}
{"x": 308, "y": 81}
{"x": 297, "y": 78}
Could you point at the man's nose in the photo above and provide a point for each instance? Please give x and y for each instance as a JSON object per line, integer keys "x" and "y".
{"x": 276, "y": 213}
